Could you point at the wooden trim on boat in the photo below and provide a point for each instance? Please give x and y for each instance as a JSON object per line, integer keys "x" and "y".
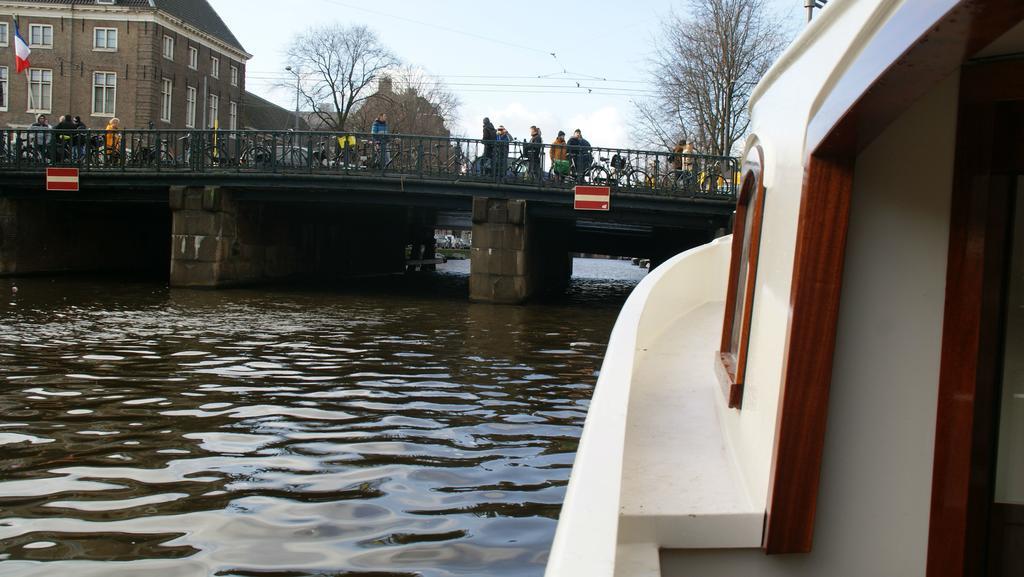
{"x": 731, "y": 365}
{"x": 920, "y": 44}
{"x": 970, "y": 370}
{"x": 807, "y": 372}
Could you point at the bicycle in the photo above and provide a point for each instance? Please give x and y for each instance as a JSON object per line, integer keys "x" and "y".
{"x": 142, "y": 154}
{"x": 618, "y": 171}
{"x": 258, "y": 154}
{"x": 393, "y": 155}
{"x": 455, "y": 161}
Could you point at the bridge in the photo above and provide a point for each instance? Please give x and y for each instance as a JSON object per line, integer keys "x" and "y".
{"x": 241, "y": 207}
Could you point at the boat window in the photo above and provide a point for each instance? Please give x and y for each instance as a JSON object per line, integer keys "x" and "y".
{"x": 739, "y": 303}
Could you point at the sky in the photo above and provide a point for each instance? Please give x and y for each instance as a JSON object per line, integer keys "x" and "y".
{"x": 558, "y": 65}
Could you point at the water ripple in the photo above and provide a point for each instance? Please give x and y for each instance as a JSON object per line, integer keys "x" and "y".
{"x": 246, "y": 433}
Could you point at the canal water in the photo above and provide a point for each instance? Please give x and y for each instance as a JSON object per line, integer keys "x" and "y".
{"x": 379, "y": 428}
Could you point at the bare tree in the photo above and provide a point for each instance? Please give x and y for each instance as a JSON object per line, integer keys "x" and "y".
{"x": 337, "y": 65}
{"x": 705, "y": 68}
{"x": 415, "y": 102}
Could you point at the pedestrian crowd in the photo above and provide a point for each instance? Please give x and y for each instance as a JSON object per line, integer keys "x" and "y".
{"x": 67, "y": 141}
{"x": 572, "y": 157}
{"x": 567, "y": 157}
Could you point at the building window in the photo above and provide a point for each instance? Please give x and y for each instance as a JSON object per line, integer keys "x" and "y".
{"x": 168, "y": 48}
{"x": 104, "y": 39}
{"x": 40, "y": 36}
{"x": 215, "y": 67}
{"x": 739, "y": 303}
{"x": 40, "y": 90}
{"x": 4, "y": 86}
{"x": 105, "y": 2}
{"x": 234, "y": 76}
{"x": 233, "y": 116}
{"x": 193, "y": 57}
{"x": 214, "y": 102}
{"x": 190, "y": 107}
{"x": 104, "y": 93}
{"x": 165, "y": 99}
{"x": 4, "y": 34}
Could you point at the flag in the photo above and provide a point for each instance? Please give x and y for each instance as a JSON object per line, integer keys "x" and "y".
{"x": 21, "y": 50}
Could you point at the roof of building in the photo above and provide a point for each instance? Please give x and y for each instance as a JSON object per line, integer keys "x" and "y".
{"x": 261, "y": 114}
{"x": 198, "y": 13}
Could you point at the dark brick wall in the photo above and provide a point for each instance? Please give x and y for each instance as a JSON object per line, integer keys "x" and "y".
{"x": 138, "y": 63}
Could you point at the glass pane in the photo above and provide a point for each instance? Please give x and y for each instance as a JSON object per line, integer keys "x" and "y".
{"x": 1010, "y": 463}
{"x": 741, "y": 284}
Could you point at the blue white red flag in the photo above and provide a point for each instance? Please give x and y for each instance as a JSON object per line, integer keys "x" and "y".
{"x": 21, "y": 50}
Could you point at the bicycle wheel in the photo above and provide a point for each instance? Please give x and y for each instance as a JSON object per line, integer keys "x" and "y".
{"x": 635, "y": 179}
{"x": 597, "y": 175}
{"x": 294, "y": 158}
{"x": 520, "y": 169}
{"x": 166, "y": 158}
{"x": 256, "y": 157}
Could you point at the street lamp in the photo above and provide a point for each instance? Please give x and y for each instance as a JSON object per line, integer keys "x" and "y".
{"x": 289, "y": 69}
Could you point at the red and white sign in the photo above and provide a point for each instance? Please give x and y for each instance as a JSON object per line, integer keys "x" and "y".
{"x": 592, "y": 198}
{"x": 62, "y": 179}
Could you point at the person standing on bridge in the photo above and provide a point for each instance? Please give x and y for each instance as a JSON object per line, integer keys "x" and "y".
{"x": 379, "y": 131}
{"x": 64, "y": 132}
{"x": 490, "y": 135}
{"x": 534, "y": 149}
{"x": 559, "y": 160}
{"x": 501, "y": 151}
{"x": 113, "y": 139}
{"x": 80, "y": 139}
{"x": 579, "y": 151}
{"x": 40, "y": 140}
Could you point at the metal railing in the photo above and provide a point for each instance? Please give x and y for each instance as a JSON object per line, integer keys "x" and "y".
{"x": 426, "y": 157}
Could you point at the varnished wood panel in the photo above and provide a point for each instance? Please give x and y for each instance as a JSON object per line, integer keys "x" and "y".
{"x": 731, "y": 365}
{"x": 807, "y": 372}
{"x": 972, "y": 333}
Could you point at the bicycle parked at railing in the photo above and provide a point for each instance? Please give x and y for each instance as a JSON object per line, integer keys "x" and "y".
{"x": 446, "y": 159}
{"x": 143, "y": 154}
{"x": 616, "y": 171}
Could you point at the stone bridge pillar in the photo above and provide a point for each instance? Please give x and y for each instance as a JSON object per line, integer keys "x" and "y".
{"x": 205, "y": 248}
{"x": 514, "y": 257}
{"x": 220, "y": 241}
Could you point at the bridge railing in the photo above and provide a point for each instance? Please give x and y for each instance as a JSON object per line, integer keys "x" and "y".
{"x": 428, "y": 157}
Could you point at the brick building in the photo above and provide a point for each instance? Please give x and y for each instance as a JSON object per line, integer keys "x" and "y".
{"x": 170, "y": 62}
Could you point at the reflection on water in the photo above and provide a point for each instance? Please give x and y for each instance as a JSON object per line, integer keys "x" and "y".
{"x": 366, "y": 430}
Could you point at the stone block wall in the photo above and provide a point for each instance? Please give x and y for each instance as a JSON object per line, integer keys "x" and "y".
{"x": 219, "y": 241}
{"x": 513, "y": 257}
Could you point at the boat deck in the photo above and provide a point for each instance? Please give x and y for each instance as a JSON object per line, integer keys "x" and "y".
{"x": 680, "y": 485}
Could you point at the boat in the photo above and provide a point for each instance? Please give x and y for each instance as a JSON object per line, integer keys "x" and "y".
{"x": 835, "y": 388}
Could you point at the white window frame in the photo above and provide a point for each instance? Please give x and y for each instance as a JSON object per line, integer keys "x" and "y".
{"x": 234, "y": 75}
{"x": 233, "y": 116}
{"x": 42, "y": 34}
{"x": 193, "y": 58}
{"x": 5, "y": 83}
{"x": 95, "y": 45}
{"x": 42, "y": 72}
{"x": 214, "y": 67}
{"x": 5, "y": 34}
{"x": 190, "y": 106}
{"x": 168, "y": 49}
{"x": 105, "y": 86}
{"x": 212, "y": 110}
{"x": 105, "y": 2}
{"x": 166, "y": 102}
